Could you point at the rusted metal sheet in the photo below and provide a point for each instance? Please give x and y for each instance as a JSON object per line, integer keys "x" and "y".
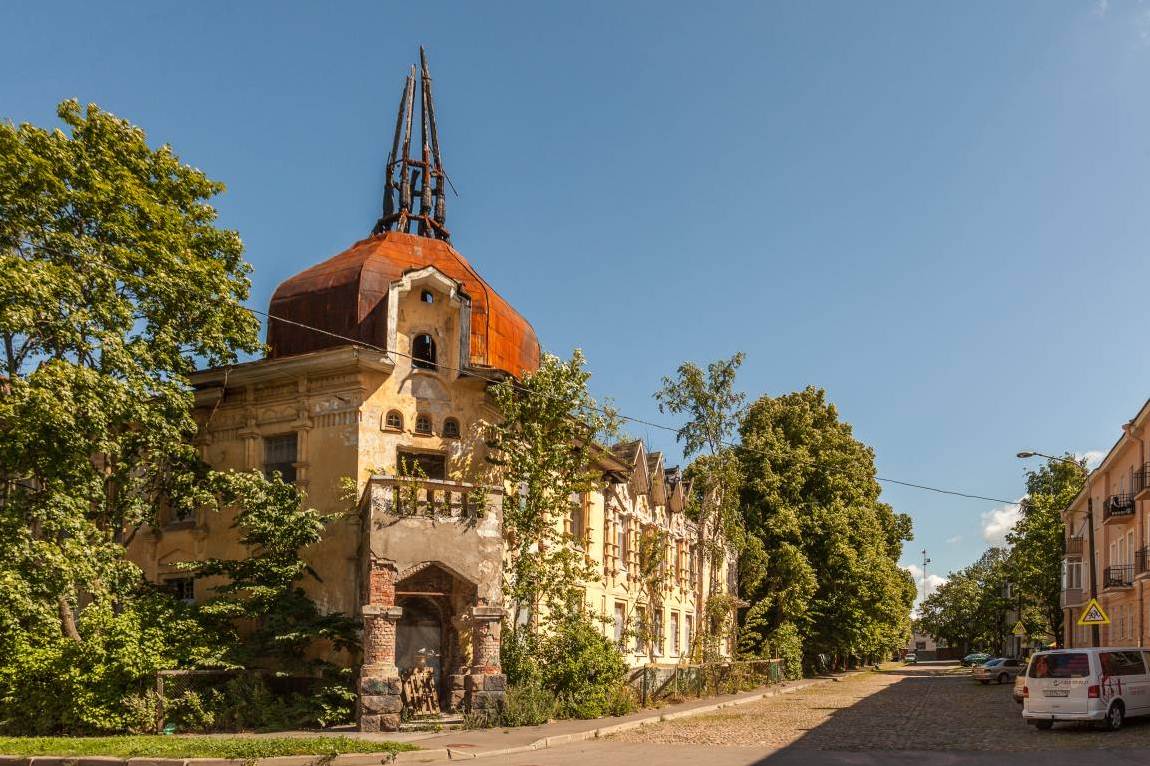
{"x": 347, "y": 295}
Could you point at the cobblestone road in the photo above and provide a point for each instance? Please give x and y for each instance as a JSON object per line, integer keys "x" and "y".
{"x": 921, "y": 707}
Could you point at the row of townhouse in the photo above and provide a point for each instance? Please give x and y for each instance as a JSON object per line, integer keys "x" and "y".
{"x": 1110, "y": 518}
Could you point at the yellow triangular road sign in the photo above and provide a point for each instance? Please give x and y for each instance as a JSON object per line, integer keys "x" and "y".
{"x": 1093, "y": 614}
{"x": 1019, "y": 629}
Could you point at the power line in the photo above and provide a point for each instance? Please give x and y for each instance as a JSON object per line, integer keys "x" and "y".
{"x": 603, "y": 411}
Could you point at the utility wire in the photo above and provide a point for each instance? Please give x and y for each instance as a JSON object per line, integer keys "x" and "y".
{"x": 603, "y": 411}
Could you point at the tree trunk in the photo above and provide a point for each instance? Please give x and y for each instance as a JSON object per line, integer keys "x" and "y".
{"x": 67, "y": 619}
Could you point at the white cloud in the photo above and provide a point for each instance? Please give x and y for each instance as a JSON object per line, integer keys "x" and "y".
{"x": 933, "y": 581}
{"x": 996, "y": 523}
{"x": 1093, "y": 457}
{"x": 954, "y": 540}
{"x": 1101, "y": 7}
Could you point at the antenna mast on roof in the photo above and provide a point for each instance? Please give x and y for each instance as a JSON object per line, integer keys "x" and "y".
{"x": 409, "y": 178}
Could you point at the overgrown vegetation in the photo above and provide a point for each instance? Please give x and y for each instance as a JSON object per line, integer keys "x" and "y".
{"x": 194, "y": 747}
{"x": 115, "y": 284}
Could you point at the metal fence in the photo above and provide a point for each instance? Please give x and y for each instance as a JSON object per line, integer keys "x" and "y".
{"x": 657, "y": 684}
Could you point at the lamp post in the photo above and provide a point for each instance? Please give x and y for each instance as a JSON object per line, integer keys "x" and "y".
{"x": 1095, "y": 638}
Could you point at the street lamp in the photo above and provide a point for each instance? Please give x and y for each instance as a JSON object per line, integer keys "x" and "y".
{"x": 1095, "y": 639}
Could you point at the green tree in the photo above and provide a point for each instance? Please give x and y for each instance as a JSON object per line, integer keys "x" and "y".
{"x": 545, "y": 446}
{"x": 1038, "y": 540}
{"x": 969, "y": 609}
{"x": 114, "y": 284}
{"x": 824, "y": 550}
{"x": 712, "y": 408}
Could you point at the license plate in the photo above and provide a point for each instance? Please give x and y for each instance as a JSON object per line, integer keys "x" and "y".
{"x": 1056, "y": 693}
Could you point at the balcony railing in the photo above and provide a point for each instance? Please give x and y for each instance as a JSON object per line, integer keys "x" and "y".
{"x": 433, "y": 498}
{"x": 1074, "y": 546}
{"x": 1142, "y": 560}
{"x": 1142, "y": 479}
{"x": 1120, "y": 576}
{"x": 1071, "y": 597}
{"x": 1118, "y": 506}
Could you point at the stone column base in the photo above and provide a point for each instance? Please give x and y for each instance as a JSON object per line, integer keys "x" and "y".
{"x": 485, "y": 691}
{"x": 380, "y": 703}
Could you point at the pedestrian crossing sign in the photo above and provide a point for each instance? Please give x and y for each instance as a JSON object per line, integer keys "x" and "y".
{"x": 1019, "y": 629}
{"x": 1093, "y": 614}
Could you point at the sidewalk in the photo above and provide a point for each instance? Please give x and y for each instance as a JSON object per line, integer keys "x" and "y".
{"x": 488, "y": 743}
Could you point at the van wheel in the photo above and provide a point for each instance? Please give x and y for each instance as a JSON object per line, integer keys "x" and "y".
{"x": 1114, "y": 717}
{"x": 1003, "y": 678}
{"x": 1044, "y": 725}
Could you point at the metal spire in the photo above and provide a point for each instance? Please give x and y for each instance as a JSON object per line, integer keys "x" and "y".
{"x": 420, "y": 177}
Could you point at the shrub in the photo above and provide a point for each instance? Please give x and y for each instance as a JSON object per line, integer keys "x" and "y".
{"x": 581, "y": 666}
{"x": 528, "y": 705}
{"x": 786, "y": 644}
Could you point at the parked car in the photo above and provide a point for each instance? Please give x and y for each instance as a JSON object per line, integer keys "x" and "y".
{"x": 1105, "y": 685}
{"x": 910, "y": 659}
{"x": 1019, "y": 686}
{"x": 1000, "y": 670}
{"x": 975, "y": 658}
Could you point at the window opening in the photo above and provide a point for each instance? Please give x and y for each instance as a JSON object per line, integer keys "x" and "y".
{"x": 423, "y": 425}
{"x": 451, "y": 428}
{"x": 427, "y": 296}
{"x": 394, "y": 421}
{"x": 181, "y": 588}
{"x": 423, "y": 352}
{"x": 429, "y": 465}
{"x": 281, "y": 453}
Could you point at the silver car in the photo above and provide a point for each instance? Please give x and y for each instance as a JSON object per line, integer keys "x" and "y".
{"x": 1000, "y": 670}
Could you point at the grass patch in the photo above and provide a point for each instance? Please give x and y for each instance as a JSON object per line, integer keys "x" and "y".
{"x": 195, "y": 747}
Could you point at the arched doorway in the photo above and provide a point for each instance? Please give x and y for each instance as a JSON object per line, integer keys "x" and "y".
{"x": 420, "y": 631}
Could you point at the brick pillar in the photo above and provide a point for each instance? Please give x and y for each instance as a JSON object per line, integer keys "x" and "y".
{"x": 486, "y": 685}
{"x": 380, "y": 689}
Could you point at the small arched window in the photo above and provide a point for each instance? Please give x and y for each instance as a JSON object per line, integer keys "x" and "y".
{"x": 423, "y": 352}
{"x": 451, "y": 428}
{"x": 427, "y": 296}
{"x": 423, "y": 425}
{"x": 393, "y": 421}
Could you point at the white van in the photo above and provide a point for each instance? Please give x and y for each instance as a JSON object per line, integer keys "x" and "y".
{"x": 1107, "y": 685}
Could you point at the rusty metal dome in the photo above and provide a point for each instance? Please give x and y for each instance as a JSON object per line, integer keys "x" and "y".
{"x": 347, "y": 295}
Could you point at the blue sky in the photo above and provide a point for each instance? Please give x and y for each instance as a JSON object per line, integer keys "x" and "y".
{"x": 936, "y": 213}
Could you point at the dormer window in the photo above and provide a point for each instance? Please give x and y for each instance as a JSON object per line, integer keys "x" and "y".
{"x": 427, "y": 296}
{"x": 423, "y": 425}
{"x": 423, "y": 352}
{"x": 451, "y": 428}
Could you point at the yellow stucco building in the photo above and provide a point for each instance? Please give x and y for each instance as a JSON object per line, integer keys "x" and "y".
{"x": 382, "y": 356}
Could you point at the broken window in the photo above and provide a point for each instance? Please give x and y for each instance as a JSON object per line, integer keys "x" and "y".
{"x": 427, "y": 296}
{"x": 423, "y": 352}
{"x": 425, "y": 465}
{"x": 280, "y": 456}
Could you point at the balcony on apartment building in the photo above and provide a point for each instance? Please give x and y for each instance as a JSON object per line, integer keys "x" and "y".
{"x": 1119, "y": 507}
{"x": 1142, "y": 561}
{"x": 1142, "y": 482}
{"x": 1073, "y": 547}
{"x": 1119, "y": 576}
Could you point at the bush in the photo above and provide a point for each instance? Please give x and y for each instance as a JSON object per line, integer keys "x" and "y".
{"x": 528, "y": 705}
{"x": 786, "y": 644}
{"x": 581, "y": 666}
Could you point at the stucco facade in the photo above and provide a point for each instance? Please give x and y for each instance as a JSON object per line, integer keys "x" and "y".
{"x": 1116, "y": 498}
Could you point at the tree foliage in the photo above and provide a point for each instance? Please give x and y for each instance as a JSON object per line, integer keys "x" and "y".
{"x": 969, "y": 609}
{"x": 1038, "y": 540}
{"x": 712, "y": 408}
{"x": 823, "y": 550}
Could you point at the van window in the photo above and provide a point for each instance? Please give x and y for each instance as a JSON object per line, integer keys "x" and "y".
{"x": 1070, "y": 665}
{"x": 1122, "y": 664}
